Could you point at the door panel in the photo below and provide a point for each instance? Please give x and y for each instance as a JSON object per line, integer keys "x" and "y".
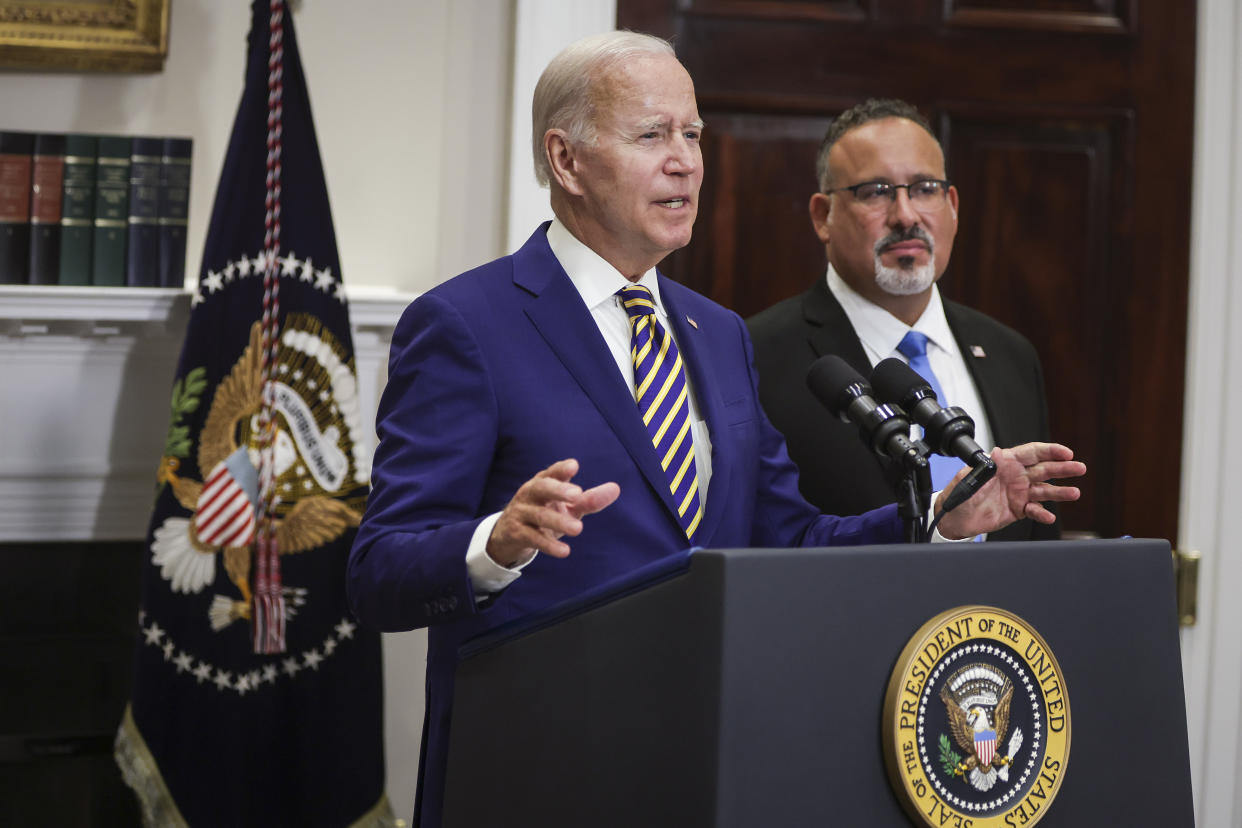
{"x": 1067, "y": 127}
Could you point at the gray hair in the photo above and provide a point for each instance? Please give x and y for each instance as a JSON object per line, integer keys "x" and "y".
{"x": 564, "y": 96}
{"x": 872, "y": 109}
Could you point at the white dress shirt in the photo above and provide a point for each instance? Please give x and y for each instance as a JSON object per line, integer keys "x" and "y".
{"x": 597, "y": 283}
{"x": 880, "y": 333}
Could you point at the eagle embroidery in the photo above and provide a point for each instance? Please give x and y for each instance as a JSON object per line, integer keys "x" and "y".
{"x": 977, "y": 698}
{"x": 322, "y": 401}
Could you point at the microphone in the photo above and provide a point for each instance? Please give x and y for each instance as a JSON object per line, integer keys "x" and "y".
{"x": 883, "y": 428}
{"x": 949, "y": 431}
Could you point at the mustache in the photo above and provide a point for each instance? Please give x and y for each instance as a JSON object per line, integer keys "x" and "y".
{"x": 912, "y": 233}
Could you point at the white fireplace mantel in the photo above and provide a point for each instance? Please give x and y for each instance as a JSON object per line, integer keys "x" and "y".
{"x": 85, "y": 381}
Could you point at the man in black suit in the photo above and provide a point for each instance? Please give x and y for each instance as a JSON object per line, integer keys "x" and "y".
{"x": 887, "y": 218}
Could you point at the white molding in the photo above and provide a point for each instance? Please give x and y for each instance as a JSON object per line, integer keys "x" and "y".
{"x": 542, "y": 28}
{"x": 1212, "y": 460}
{"x": 85, "y": 378}
{"x": 96, "y": 304}
{"x": 376, "y": 309}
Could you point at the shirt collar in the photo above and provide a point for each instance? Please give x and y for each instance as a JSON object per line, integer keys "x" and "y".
{"x": 879, "y": 330}
{"x": 596, "y": 280}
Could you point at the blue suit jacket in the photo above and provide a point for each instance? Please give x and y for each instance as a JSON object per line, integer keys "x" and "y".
{"x": 499, "y": 373}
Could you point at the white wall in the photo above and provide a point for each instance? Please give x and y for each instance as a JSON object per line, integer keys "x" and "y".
{"x": 1211, "y": 457}
{"x": 411, "y": 105}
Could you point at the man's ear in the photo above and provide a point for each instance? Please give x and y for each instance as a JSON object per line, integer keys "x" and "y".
{"x": 820, "y": 207}
{"x": 563, "y": 160}
{"x": 953, "y": 200}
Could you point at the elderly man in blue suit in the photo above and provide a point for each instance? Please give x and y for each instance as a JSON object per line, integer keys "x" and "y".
{"x": 570, "y": 390}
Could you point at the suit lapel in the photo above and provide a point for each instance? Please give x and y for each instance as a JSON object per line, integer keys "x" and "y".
{"x": 983, "y": 371}
{"x": 701, "y": 371}
{"x": 557, "y": 312}
{"x": 829, "y": 330}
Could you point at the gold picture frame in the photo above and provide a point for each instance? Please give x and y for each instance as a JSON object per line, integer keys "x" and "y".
{"x": 84, "y": 35}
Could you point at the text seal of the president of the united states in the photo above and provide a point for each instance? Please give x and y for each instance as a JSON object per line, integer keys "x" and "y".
{"x": 976, "y": 721}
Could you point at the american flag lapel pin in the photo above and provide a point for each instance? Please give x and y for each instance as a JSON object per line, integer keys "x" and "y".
{"x": 977, "y": 351}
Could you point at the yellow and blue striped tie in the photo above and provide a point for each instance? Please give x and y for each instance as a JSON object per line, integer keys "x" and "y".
{"x": 660, "y": 382}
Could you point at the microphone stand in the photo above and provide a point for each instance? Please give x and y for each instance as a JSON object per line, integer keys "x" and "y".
{"x": 914, "y": 491}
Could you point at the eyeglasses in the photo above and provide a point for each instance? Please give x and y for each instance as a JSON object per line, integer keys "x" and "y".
{"x": 925, "y": 194}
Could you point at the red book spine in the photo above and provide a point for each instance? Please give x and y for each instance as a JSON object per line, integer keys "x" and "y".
{"x": 15, "y": 164}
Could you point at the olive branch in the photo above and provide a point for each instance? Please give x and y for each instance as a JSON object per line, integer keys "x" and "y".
{"x": 186, "y": 395}
{"x": 949, "y": 759}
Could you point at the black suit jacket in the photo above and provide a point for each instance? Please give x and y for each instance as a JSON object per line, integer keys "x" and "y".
{"x": 839, "y": 474}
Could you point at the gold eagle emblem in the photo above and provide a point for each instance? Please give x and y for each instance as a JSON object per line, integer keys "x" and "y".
{"x": 977, "y": 699}
{"x": 320, "y": 474}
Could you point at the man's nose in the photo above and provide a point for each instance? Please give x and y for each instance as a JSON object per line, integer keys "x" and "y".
{"x": 901, "y": 212}
{"x": 683, "y": 156}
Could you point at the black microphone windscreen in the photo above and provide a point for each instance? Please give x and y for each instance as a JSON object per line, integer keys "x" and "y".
{"x": 829, "y": 378}
{"x": 893, "y": 380}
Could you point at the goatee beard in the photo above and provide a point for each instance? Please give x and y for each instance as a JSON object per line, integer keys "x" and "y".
{"x": 902, "y": 281}
{"x": 908, "y": 280}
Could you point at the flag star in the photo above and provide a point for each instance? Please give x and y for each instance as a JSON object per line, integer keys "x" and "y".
{"x": 153, "y": 633}
{"x": 223, "y": 680}
{"x": 308, "y": 271}
{"x": 202, "y": 672}
{"x": 254, "y": 677}
{"x": 196, "y": 300}
{"x": 291, "y": 666}
{"x": 142, "y": 617}
{"x": 213, "y": 282}
{"x": 313, "y": 659}
{"x": 183, "y": 662}
{"x": 243, "y": 684}
{"x": 329, "y": 644}
{"x": 269, "y": 673}
{"x": 323, "y": 279}
{"x": 168, "y": 650}
{"x": 243, "y": 266}
{"x": 288, "y": 265}
{"x": 340, "y": 292}
{"x": 229, "y": 271}
{"x": 260, "y": 263}
{"x": 345, "y": 629}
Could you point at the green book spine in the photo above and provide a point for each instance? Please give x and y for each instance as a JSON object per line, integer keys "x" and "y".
{"x": 77, "y": 214}
{"x": 16, "y": 150}
{"x": 47, "y": 188}
{"x": 111, "y": 211}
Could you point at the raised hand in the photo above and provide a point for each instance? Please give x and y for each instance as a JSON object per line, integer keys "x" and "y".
{"x": 1021, "y": 482}
{"x": 546, "y": 508}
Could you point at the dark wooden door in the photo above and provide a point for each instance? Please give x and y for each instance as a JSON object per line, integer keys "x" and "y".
{"x": 1067, "y": 126}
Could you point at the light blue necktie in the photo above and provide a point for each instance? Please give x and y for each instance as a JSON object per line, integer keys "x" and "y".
{"x": 914, "y": 348}
{"x": 661, "y": 393}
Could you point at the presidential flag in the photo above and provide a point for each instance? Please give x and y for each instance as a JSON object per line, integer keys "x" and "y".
{"x": 257, "y": 697}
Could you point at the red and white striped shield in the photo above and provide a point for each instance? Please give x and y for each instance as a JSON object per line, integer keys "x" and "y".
{"x": 225, "y": 512}
{"x": 985, "y": 746}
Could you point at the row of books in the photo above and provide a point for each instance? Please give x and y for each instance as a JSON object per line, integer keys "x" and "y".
{"x": 93, "y": 209}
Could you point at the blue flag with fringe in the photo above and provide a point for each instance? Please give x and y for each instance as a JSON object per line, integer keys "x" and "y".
{"x": 257, "y": 698}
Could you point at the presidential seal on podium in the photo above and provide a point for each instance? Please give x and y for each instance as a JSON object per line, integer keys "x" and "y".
{"x": 976, "y": 721}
